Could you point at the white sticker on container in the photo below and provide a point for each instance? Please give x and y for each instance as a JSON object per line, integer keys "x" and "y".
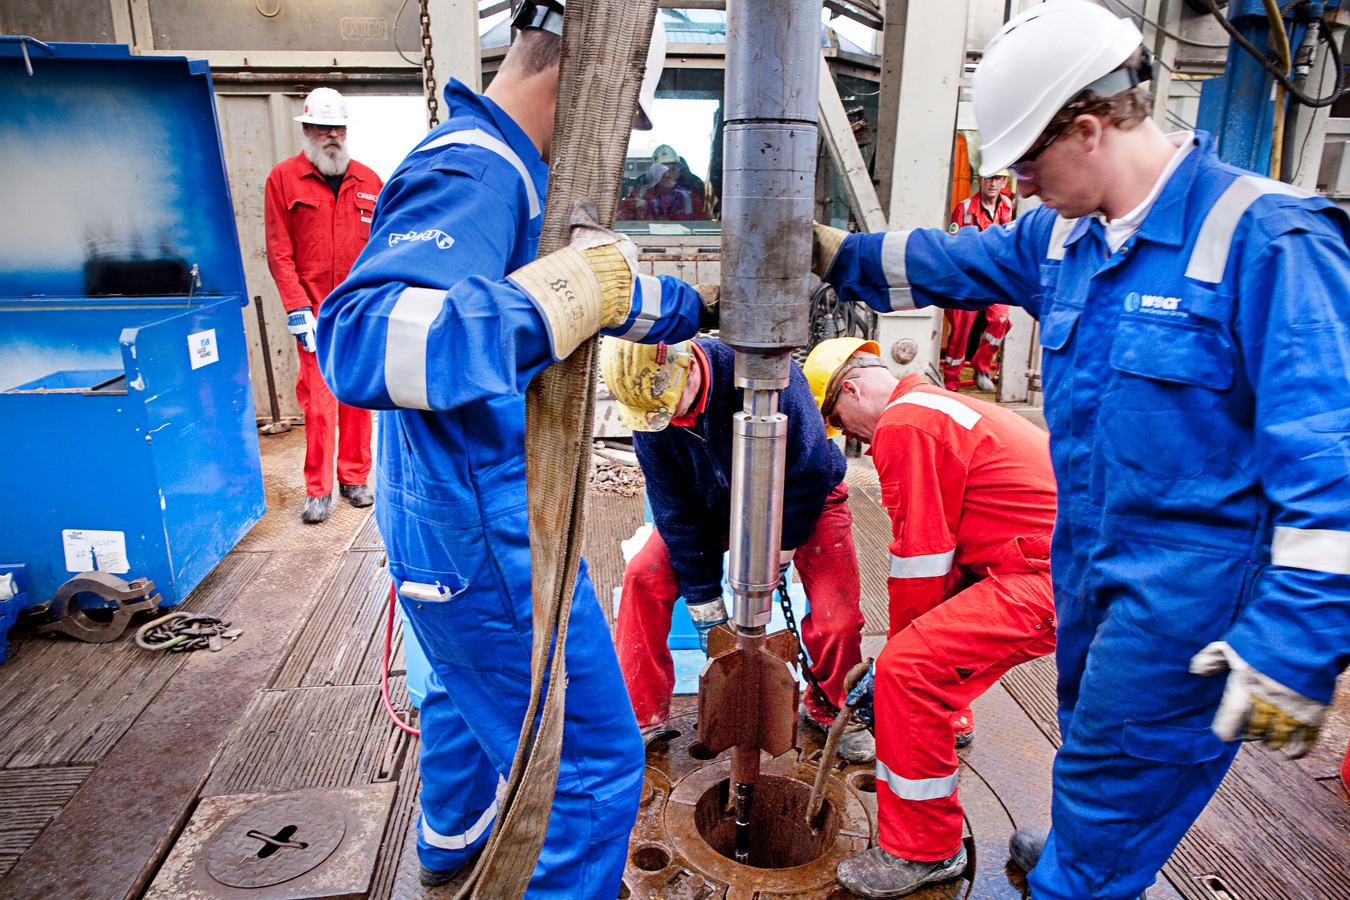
{"x": 202, "y": 348}
{"x": 95, "y": 551}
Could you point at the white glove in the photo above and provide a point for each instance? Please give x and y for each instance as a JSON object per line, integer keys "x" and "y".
{"x": 707, "y": 616}
{"x": 1258, "y": 708}
{"x": 301, "y": 324}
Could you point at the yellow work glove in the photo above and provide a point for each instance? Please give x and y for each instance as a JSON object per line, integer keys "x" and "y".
{"x": 1258, "y": 708}
{"x": 825, "y": 244}
{"x": 585, "y": 286}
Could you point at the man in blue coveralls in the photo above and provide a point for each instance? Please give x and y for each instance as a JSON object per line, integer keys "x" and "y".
{"x": 1195, "y": 321}
{"x": 443, "y": 321}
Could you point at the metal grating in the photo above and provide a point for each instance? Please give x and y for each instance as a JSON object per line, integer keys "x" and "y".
{"x": 610, "y": 519}
{"x": 343, "y": 640}
{"x": 28, "y": 801}
{"x": 871, "y": 539}
{"x": 313, "y": 737}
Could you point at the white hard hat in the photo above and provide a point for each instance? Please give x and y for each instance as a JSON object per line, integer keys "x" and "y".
{"x": 324, "y": 106}
{"x": 656, "y": 61}
{"x": 1037, "y": 63}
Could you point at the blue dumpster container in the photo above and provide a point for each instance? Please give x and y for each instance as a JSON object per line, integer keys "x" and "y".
{"x": 130, "y": 442}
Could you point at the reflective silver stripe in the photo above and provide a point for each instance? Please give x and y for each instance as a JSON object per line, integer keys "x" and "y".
{"x": 459, "y": 841}
{"x": 893, "y": 267}
{"x": 1315, "y": 549}
{"x": 930, "y": 566}
{"x": 1209, "y": 257}
{"x": 647, "y": 299}
{"x": 1059, "y": 234}
{"x": 953, "y": 361}
{"x": 917, "y": 788}
{"x": 479, "y": 138}
{"x": 405, "y": 347}
{"x": 993, "y": 341}
{"x": 958, "y": 412}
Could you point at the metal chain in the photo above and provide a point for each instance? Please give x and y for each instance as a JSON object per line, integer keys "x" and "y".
{"x": 179, "y": 632}
{"x": 428, "y": 68}
{"x": 812, "y": 684}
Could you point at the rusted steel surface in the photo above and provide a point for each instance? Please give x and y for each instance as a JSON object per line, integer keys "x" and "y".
{"x": 306, "y": 845}
{"x": 28, "y": 800}
{"x": 147, "y": 784}
{"x": 683, "y": 840}
{"x": 748, "y": 698}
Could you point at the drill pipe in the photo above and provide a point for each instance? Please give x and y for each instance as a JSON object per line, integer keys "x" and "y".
{"x": 769, "y": 165}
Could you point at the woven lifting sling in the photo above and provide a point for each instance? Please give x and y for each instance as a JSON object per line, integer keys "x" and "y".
{"x": 604, "y": 53}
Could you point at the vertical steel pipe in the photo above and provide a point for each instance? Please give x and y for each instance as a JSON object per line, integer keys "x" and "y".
{"x": 769, "y": 166}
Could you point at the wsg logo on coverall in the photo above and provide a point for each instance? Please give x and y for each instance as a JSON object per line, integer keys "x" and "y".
{"x": 442, "y": 239}
{"x": 1154, "y": 304}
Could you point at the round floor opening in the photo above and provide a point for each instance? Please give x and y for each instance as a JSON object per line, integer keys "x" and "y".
{"x": 780, "y": 837}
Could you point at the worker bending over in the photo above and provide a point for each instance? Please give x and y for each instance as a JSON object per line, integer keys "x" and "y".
{"x": 971, "y": 497}
{"x": 680, "y": 401}
{"x": 444, "y": 321}
{"x": 1195, "y": 323}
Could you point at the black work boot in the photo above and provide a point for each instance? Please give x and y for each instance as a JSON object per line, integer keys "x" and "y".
{"x": 1025, "y": 848}
{"x": 438, "y": 877}
{"x": 878, "y": 875}
{"x": 316, "y": 509}
{"x": 357, "y": 495}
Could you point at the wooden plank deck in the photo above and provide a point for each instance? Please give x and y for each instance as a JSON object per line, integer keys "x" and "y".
{"x": 98, "y": 742}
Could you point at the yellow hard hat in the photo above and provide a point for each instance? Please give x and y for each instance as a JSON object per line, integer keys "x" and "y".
{"x": 646, "y": 380}
{"x": 825, "y": 359}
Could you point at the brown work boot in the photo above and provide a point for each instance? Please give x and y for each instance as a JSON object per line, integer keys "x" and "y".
{"x": 857, "y": 746}
{"x": 878, "y": 875}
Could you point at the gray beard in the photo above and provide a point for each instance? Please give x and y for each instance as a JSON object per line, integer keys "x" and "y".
{"x": 329, "y": 161}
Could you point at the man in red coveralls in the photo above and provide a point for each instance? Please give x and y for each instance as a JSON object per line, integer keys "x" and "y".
{"x": 991, "y": 205}
{"x": 971, "y": 496}
{"x": 318, "y": 211}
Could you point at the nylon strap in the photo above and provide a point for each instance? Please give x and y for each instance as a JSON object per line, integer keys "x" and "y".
{"x": 604, "y": 54}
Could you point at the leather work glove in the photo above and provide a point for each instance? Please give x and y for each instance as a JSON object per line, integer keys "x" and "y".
{"x": 1258, "y": 708}
{"x": 860, "y": 698}
{"x": 711, "y": 295}
{"x": 707, "y": 616}
{"x": 300, "y": 323}
{"x": 825, "y": 244}
{"x": 584, "y": 287}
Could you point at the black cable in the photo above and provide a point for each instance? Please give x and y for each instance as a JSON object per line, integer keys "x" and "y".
{"x": 1282, "y": 77}
{"x": 397, "y": 48}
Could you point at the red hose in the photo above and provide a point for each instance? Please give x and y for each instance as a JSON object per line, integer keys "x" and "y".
{"x": 384, "y": 669}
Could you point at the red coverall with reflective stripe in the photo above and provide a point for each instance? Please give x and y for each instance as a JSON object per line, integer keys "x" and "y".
{"x": 970, "y": 212}
{"x": 971, "y": 496}
{"x": 312, "y": 241}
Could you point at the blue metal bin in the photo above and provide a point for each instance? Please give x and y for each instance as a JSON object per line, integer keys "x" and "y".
{"x": 129, "y": 440}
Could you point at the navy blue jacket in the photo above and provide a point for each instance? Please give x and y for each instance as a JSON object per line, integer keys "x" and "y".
{"x": 688, "y": 474}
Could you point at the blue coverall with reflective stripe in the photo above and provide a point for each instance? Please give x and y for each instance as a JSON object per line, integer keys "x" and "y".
{"x": 427, "y": 328}
{"x": 1197, "y": 390}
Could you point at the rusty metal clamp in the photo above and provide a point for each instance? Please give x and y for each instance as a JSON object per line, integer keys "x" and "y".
{"x": 128, "y": 599}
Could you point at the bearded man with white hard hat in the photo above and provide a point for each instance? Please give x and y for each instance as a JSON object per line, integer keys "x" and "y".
{"x": 317, "y": 216}
{"x": 1195, "y": 323}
